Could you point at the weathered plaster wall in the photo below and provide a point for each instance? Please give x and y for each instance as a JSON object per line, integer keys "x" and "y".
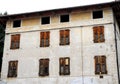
{"x": 77, "y": 18}
{"x": 81, "y": 50}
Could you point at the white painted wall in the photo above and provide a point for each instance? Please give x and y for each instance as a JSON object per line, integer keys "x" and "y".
{"x": 81, "y": 52}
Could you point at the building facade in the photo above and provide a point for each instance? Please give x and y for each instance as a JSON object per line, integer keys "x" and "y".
{"x": 78, "y": 45}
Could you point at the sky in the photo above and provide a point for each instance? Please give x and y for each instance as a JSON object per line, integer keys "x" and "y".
{"x": 23, "y": 6}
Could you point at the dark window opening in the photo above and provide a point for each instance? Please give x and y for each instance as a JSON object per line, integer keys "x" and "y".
{"x": 45, "y": 20}
{"x": 64, "y": 18}
{"x": 97, "y": 14}
{"x": 12, "y": 69}
{"x": 44, "y": 67}
{"x": 17, "y": 23}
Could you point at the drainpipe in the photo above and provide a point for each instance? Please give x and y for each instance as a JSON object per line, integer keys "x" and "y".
{"x": 116, "y": 49}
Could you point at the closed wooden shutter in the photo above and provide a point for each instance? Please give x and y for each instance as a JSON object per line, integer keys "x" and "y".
{"x": 67, "y": 36}
{"x": 64, "y": 66}
{"x": 103, "y": 65}
{"x": 44, "y": 67}
{"x": 100, "y": 65}
{"x": 44, "y": 39}
{"x": 64, "y": 37}
{"x": 15, "y": 41}
{"x": 12, "y": 70}
{"x": 98, "y": 34}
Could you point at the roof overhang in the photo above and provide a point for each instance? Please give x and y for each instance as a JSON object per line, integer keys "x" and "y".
{"x": 115, "y": 5}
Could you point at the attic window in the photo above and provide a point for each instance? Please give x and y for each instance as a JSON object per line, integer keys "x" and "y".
{"x": 45, "y": 20}
{"x": 16, "y": 23}
{"x": 64, "y": 18}
{"x": 97, "y": 14}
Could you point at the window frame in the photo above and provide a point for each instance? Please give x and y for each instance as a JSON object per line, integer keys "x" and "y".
{"x": 63, "y": 36}
{"x": 64, "y": 65}
{"x": 14, "y": 75}
{"x": 98, "y": 60}
{"x": 45, "y": 36}
{"x": 15, "y": 39}
{"x": 43, "y": 68}
{"x": 98, "y": 31}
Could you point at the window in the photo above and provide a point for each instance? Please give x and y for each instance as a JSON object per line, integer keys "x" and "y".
{"x": 44, "y": 39}
{"x": 64, "y": 66}
{"x": 45, "y": 20}
{"x": 64, "y": 37}
{"x": 97, "y": 14}
{"x": 16, "y": 23}
{"x": 44, "y": 67}
{"x": 100, "y": 65}
{"x": 98, "y": 33}
{"x": 64, "y": 18}
{"x": 12, "y": 71}
{"x": 15, "y": 41}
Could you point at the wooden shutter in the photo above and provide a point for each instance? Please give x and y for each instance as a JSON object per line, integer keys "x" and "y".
{"x": 15, "y": 41}
{"x": 98, "y": 34}
{"x": 100, "y": 65}
{"x": 64, "y": 37}
{"x": 12, "y": 69}
{"x": 44, "y": 67}
{"x": 67, "y": 37}
{"x": 97, "y": 65}
{"x": 102, "y": 38}
{"x": 45, "y": 39}
{"x": 64, "y": 66}
{"x": 103, "y": 65}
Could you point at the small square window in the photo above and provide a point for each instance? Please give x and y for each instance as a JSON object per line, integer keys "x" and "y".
{"x": 45, "y": 20}
{"x": 97, "y": 14}
{"x": 16, "y": 23}
{"x": 64, "y": 18}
